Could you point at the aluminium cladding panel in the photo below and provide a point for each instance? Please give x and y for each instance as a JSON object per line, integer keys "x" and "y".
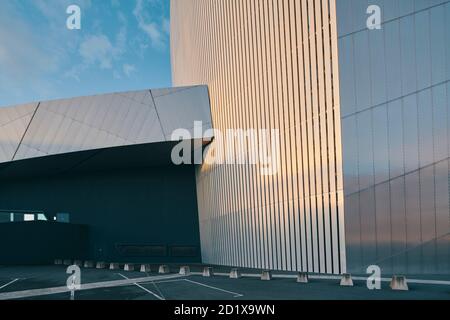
{"x": 195, "y": 102}
{"x": 395, "y": 100}
{"x": 13, "y": 124}
{"x": 101, "y": 121}
{"x": 268, "y": 67}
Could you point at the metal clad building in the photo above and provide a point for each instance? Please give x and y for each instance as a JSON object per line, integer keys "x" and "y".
{"x": 395, "y": 98}
{"x": 310, "y": 68}
{"x": 103, "y": 162}
{"x": 262, "y": 60}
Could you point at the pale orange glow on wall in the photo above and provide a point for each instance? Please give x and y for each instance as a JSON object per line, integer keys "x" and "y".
{"x": 270, "y": 64}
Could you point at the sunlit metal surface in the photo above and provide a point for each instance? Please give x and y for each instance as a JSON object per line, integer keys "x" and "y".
{"x": 395, "y": 100}
{"x": 101, "y": 121}
{"x": 268, "y": 66}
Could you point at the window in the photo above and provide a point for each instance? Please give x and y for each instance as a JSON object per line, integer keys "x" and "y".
{"x": 28, "y": 217}
{"x": 63, "y": 217}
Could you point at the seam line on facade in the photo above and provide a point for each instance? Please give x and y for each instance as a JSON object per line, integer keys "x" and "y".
{"x": 26, "y": 130}
{"x": 394, "y": 19}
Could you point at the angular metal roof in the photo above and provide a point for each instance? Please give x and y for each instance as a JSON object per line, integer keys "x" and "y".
{"x": 101, "y": 121}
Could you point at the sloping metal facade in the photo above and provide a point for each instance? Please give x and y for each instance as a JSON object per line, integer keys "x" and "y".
{"x": 269, "y": 64}
{"x": 105, "y": 162}
{"x": 101, "y": 121}
{"x": 395, "y": 105}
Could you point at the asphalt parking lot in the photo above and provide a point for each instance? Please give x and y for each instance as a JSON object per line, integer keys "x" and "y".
{"x": 49, "y": 283}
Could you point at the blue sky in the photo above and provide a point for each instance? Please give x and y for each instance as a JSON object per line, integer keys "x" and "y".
{"x": 122, "y": 45}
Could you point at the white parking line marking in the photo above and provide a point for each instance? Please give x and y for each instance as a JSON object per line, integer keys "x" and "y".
{"x": 88, "y": 286}
{"x": 236, "y": 295}
{"x": 145, "y": 289}
{"x": 165, "y": 281}
{"x": 9, "y": 283}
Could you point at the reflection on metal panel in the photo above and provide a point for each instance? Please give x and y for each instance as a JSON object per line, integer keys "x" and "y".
{"x": 399, "y": 108}
{"x": 268, "y": 67}
{"x": 102, "y": 121}
{"x": 195, "y": 104}
{"x": 14, "y": 122}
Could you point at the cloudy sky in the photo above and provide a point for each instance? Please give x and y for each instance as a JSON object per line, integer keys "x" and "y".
{"x": 122, "y": 45}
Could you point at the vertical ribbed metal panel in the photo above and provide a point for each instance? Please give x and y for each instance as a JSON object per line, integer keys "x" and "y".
{"x": 269, "y": 64}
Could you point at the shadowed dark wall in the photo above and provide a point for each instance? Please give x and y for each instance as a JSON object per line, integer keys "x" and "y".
{"x": 135, "y": 215}
{"x": 39, "y": 242}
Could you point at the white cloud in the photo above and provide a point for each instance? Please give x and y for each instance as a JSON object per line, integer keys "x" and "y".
{"x": 128, "y": 69}
{"x": 156, "y": 29}
{"x": 97, "y": 49}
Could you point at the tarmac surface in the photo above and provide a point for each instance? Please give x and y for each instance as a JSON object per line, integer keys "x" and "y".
{"x": 49, "y": 283}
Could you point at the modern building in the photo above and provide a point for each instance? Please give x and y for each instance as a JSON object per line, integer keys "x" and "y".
{"x": 363, "y": 116}
{"x": 101, "y": 166}
{"x": 359, "y": 159}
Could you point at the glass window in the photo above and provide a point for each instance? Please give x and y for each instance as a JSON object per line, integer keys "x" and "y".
{"x": 411, "y": 133}
{"x": 395, "y": 121}
{"x": 393, "y": 74}
{"x": 408, "y": 55}
{"x": 28, "y": 217}
{"x": 425, "y": 116}
{"x": 6, "y": 217}
{"x": 380, "y": 144}
{"x": 63, "y": 217}
{"x": 423, "y": 55}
